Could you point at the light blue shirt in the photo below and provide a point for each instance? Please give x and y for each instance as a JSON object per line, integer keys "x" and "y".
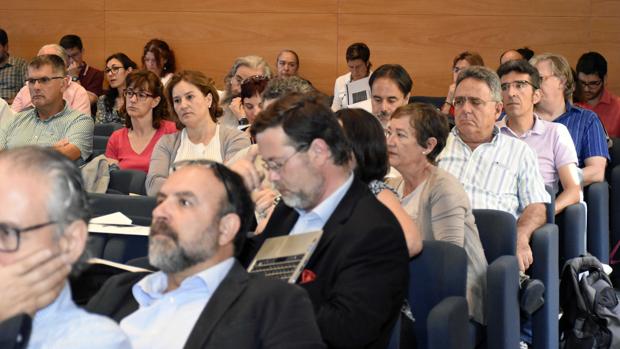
{"x": 63, "y": 325}
{"x": 166, "y": 319}
{"x": 316, "y": 219}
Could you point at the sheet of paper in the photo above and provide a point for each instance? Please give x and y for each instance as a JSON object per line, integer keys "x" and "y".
{"x": 117, "y": 265}
{"x": 116, "y": 218}
{"x": 119, "y": 229}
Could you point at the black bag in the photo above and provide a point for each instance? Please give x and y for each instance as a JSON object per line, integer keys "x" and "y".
{"x": 591, "y": 316}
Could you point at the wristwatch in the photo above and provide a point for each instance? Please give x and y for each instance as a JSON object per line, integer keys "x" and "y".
{"x": 75, "y": 78}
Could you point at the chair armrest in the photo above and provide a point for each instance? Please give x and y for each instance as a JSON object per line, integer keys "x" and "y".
{"x": 572, "y": 224}
{"x": 544, "y": 244}
{"x": 502, "y": 303}
{"x": 448, "y": 325}
{"x": 597, "y": 198}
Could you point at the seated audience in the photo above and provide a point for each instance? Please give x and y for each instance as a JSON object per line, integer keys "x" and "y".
{"x": 515, "y": 55}
{"x": 308, "y": 160}
{"x": 52, "y": 123}
{"x": 45, "y": 213}
{"x": 117, "y": 67}
{"x": 432, "y": 197}
{"x": 159, "y": 58}
{"x": 12, "y": 70}
{"x": 557, "y": 158}
{"x": 585, "y": 128}
{"x": 242, "y": 68}
{"x": 461, "y": 62}
{"x": 147, "y": 110}
{"x": 202, "y": 297}
{"x": 287, "y": 63}
{"x": 498, "y": 172}
{"x": 358, "y": 62}
{"x": 194, "y": 102}
{"x": 75, "y": 95}
{"x": 390, "y": 87}
{"x": 251, "y": 100}
{"x": 592, "y": 77}
{"x": 89, "y": 77}
{"x": 367, "y": 140}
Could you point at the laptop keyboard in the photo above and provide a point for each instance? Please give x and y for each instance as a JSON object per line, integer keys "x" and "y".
{"x": 281, "y": 268}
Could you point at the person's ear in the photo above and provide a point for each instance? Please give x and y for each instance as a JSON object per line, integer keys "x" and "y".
{"x": 209, "y": 100}
{"x": 73, "y": 241}
{"x": 319, "y": 151}
{"x": 536, "y": 96}
{"x": 228, "y": 227}
{"x": 155, "y": 102}
{"x": 431, "y": 143}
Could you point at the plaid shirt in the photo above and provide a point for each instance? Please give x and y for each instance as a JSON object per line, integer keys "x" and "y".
{"x": 12, "y": 77}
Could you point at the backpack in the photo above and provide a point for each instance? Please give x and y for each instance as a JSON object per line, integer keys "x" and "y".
{"x": 591, "y": 313}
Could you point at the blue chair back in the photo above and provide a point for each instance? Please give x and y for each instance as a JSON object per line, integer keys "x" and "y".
{"x": 498, "y": 233}
{"x": 127, "y": 181}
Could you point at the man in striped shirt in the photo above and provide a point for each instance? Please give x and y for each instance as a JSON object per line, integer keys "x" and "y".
{"x": 497, "y": 171}
{"x": 51, "y": 123}
{"x": 585, "y": 128}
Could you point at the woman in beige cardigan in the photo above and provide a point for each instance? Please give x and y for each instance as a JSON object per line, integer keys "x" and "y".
{"x": 195, "y": 104}
{"x": 434, "y": 198}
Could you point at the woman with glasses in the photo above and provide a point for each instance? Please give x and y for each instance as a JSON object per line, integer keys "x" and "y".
{"x": 461, "y": 62}
{"x": 195, "y": 104}
{"x": 145, "y": 111}
{"x": 367, "y": 139}
{"x": 432, "y": 197}
{"x": 117, "y": 66}
{"x": 159, "y": 58}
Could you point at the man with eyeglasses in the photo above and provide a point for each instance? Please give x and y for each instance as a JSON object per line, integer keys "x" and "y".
{"x": 592, "y": 76}
{"x": 498, "y": 172}
{"x": 74, "y": 93}
{"x": 44, "y": 219}
{"x": 202, "y": 297}
{"x": 557, "y": 87}
{"x": 52, "y": 123}
{"x": 358, "y": 274}
{"x": 89, "y": 77}
{"x": 555, "y": 150}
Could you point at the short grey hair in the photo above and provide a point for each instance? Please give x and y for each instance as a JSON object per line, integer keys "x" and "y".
{"x": 560, "y": 68}
{"x": 486, "y": 75}
{"x": 280, "y": 86}
{"x": 253, "y": 62}
{"x": 58, "y": 51}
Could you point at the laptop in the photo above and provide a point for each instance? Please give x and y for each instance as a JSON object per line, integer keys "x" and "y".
{"x": 284, "y": 257}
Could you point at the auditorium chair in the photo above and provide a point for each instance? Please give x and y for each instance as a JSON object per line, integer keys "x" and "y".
{"x": 572, "y": 225}
{"x": 436, "y": 101}
{"x": 106, "y": 129}
{"x": 437, "y": 280}
{"x": 99, "y": 145}
{"x": 596, "y": 196}
{"x": 126, "y": 182}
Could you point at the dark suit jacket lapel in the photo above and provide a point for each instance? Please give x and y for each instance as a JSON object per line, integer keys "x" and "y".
{"x": 339, "y": 217}
{"x": 225, "y": 295}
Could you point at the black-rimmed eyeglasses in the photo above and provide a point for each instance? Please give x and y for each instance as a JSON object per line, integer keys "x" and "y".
{"x": 10, "y": 235}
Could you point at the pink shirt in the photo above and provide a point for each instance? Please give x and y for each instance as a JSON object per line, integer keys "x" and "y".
{"x": 608, "y": 110}
{"x": 75, "y": 95}
{"x": 553, "y": 145}
{"x": 119, "y": 147}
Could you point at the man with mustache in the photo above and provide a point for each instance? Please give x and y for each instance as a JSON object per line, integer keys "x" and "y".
{"x": 557, "y": 157}
{"x": 202, "y": 297}
{"x": 52, "y": 123}
{"x": 390, "y": 87}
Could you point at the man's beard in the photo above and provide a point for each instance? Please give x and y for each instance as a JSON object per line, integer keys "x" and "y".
{"x": 169, "y": 256}
{"x": 300, "y": 199}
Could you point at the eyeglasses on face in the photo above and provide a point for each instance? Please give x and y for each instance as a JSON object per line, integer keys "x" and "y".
{"x": 590, "y": 84}
{"x": 518, "y": 84}
{"x": 141, "y": 95}
{"x": 459, "y": 102}
{"x": 10, "y": 235}
{"x": 113, "y": 69}
{"x": 277, "y": 166}
{"x": 43, "y": 80}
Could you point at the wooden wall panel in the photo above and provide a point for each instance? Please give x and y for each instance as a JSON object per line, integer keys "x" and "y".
{"x": 245, "y": 8}
{"x": 427, "y": 46}
{"x": 51, "y": 5}
{"x": 31, "y": 29}
{"x": 605, "y": 8}
{"x": 533, "y": 8}
{"x": 211, "y": 41}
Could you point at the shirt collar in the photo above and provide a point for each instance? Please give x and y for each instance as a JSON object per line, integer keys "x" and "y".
{"x": 538, "y": 128}
{"x": 455, "y": 132}
{"x": 325, "y": 209}
{"x": 153, "y": 286}
{"x": 605, "y": 98}
{"x": 62, "y": 112}
{"x": 61, "y": 304}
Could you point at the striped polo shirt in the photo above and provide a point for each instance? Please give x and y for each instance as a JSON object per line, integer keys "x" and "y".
{"x": 500, "y": 175}
{"x": 26, "y": 128}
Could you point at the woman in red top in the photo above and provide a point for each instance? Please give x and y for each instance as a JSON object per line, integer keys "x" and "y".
{"x": 145, "y": 122}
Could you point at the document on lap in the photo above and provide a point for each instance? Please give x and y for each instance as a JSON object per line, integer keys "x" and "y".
{"x": 116, "y": 223}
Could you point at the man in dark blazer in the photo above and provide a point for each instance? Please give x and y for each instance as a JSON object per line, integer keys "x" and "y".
{"x": 202, "y": 297}
{"x": 357, "y": 277}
